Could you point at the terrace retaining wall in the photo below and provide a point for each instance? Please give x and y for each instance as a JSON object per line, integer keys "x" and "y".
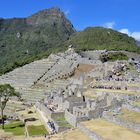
{"x": 131, "y": 107}
{"x": 129, "y": 125}
{"x": 88, "y": 132}
{"x": 70, "y": 118}
{"x": 50, "y": 114}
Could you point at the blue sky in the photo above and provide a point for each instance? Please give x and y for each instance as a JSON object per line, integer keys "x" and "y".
{"x": 122, "y": 15}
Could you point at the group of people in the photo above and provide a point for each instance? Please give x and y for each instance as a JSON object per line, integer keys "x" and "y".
{"x": 52, "y": 129}
{"x": 106, "y": 87}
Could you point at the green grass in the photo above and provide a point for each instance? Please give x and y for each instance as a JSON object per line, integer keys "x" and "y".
{"x": 61, "y": 121}
{"x": 36, "y": 130}
{"x": 64, "y": 124}
{"x": 15, "y": 127}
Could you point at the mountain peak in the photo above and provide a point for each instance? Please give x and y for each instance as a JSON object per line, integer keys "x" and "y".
{"x": 45, "y": 16}
{"x": 48, "y": 12}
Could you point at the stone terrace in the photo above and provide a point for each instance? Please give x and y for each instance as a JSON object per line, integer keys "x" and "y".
{"x": 105, "y": 130}
{"x": 27, "y": 75}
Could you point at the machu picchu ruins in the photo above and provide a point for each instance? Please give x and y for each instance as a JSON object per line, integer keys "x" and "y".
{"x": 58, "y": 82}
{"x": 68, "y": 90}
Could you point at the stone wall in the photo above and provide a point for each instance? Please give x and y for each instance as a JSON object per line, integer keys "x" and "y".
{"x": 88, "y": 132}
{"x": 73, "y": 120}
{"x": 55, "y": 115}
{"x": 69, "y": 105}
{"x": 88, "y": 61}
{"x": 129, "y": 125}
{"x": 70, "y": 118}
{"x": 51, "y": 115}
{"x": 130, "y": 107}
{"x": 97, "y": 113}
{"x": 113, "y": 84}
{"x": 125, "y": 97}
{"x": 59, "y": 128}
{"x": 79, "y": 119}
{"x": 44, "y": 109}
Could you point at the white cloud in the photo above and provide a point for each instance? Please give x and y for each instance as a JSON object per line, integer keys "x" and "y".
{"x": 109, "y": 25}
{"x": 67, "y": 12}
{"x": 135, "y": 35}
{"x": 125, "y": 31}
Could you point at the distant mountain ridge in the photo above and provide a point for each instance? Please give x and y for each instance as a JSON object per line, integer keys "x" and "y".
{"x": 23, "y": 40}
{"x": 138, "y": 43}
{"x": 99, "y": 38}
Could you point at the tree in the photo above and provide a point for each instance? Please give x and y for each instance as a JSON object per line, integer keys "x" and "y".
{"x": 6, "y": 93}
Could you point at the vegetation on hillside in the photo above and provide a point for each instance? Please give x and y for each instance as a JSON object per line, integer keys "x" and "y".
{"x": 23, "y": 40}
{"x": 7, "y": 67}
{"x": 113, "y": 56}
{"x": 99, "y": 38}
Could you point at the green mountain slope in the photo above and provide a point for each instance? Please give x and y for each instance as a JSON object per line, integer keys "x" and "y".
{"x": 98, "y": 38}
{"x": 26, "y": 39}
{"x": 23, "y": 40}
